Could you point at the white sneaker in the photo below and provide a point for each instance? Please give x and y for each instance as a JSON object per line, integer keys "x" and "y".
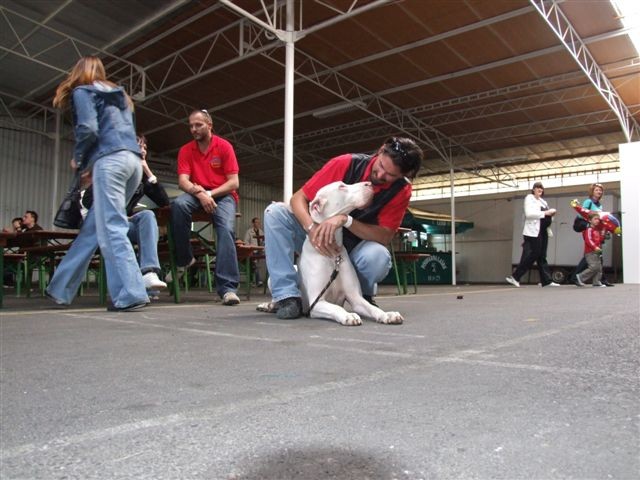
{"x": 579, "y": 281}
{"x": 599, "y": 285}
{"x": 552, "y": 284}
{"x": 512, "y": 281}
{"x": 179, "y": 271}
{"x": 152, "y": 282}
{"x": 230, "y": 298}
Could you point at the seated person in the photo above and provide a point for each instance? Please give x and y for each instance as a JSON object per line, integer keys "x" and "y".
{"x": 143, "y": 227}
{"x": 29, "y": 224}
{"x": 208, "y": 174}
{"x": 30, "y": 221}
{"x": 255, "y": 236}
{"x": 16, "y": 226}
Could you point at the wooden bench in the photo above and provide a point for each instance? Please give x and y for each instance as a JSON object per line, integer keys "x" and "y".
{"x": 16, "y": 262}
{"x": 41, "y": 257}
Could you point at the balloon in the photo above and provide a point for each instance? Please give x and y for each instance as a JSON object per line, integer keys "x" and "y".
{"x": 607, "y": 220}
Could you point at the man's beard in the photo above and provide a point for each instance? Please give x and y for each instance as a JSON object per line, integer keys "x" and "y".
{"x": 374, "y": 180}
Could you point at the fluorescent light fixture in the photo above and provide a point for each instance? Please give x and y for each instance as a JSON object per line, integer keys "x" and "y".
{"x": 338, "y": 108}
{"x": 629, "y": 12}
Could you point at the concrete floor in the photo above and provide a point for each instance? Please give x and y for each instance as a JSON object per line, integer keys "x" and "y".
{"x": 504, "y": 383}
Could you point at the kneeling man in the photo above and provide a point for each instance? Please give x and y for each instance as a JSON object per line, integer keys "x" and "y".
{"x": 367, "y": 231}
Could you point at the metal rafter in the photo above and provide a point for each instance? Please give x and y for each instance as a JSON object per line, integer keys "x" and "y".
{"x": 358, "y": 129}
{"x": 582, "y": 165}
{"x": 334, "y": 82}
{"x": 127, "y": 71}
{"x": 563, "y": 29}
{"x": 238, "y": 41}
{"x": 43, "y": 115}
{"x": 384, "y": 110}
{"x": 424, "y": 108}
{"x": 538, "y": 128}
{"x": 387, "y": 53}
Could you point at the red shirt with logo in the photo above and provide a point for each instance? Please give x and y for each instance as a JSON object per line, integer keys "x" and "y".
{"x": 209, "y": 169}
{"x": 334, "y": 170}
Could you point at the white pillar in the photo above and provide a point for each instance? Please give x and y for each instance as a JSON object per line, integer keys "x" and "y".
{"x": 288, "y": 103}
{"x": 630, "y": 208}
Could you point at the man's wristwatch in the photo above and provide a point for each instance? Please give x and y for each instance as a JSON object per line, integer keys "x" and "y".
{"x": 349, "y": 221}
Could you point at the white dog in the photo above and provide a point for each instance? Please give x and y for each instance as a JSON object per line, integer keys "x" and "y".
{"x": 315, "y": 269}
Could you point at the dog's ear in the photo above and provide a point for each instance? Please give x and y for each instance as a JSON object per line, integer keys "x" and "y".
{"x": 317, "y": 205}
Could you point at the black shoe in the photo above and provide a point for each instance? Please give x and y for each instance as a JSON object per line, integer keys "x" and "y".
{"x": 58, "y": 303}
{"x": 129, "y": 308}
{"x": 369, "y": 299}
{"x": 607, "y": 284}
{"x": 289, "y": 308}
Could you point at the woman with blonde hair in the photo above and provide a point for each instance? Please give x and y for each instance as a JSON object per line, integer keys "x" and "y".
{"x": 593, "y": 203}
{"x": 106, "y": 146}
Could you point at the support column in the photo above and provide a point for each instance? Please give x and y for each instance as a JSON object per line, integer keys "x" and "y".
{"x": 288, "y": 103}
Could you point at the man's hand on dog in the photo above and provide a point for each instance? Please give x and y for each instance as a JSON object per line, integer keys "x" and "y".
{"x": 323, "y": 235}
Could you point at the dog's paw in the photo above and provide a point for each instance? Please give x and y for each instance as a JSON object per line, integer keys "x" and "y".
{"x": 269, "y": 307}
{"x": 351, "y": 319}
{"x": 392, "y": 318}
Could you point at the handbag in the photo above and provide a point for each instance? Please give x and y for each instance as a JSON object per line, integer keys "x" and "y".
{"x": 68, "y": 214}
{"x": 579, "y": 223}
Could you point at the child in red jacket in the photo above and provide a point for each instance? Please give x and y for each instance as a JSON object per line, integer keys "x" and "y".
{"x": 593, "y": 237}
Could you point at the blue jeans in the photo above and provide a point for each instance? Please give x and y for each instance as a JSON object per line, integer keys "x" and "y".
{"x": 227, "y": 273}
{"x": 143, "y": 231}
{"x": 115, "y": 179}
{"x": 284, "y": 236}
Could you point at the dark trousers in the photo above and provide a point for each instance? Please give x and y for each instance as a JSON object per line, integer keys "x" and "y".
{"x": 534, "y": 250}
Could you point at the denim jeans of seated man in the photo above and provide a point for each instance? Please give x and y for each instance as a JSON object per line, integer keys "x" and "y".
{"x": 115, "y": 179}
{"x": 227, "y": 273}
{"x": 284, "y": 236}
{"x": 143, "y": 231}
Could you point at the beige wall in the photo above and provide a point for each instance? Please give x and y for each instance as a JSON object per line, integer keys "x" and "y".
{"x": 484, "y": 252}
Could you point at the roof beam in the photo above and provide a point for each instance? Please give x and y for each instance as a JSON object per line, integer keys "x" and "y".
{"x": 571, "y": 41}
{"x": 539, "y": 128}
{"x": 77, "y": 48}
{"x": 468, "y": 71}
{"x": 567, "y": 167}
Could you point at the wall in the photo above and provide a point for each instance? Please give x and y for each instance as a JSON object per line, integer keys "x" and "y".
{"x": 254, "y": 198}
{"x": 483, "y": 254}
{"x": 29, "y": 173}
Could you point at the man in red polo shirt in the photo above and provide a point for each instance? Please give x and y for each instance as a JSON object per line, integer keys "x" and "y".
{"x": 208, "y": 174}
{"x": 367, "y": 232}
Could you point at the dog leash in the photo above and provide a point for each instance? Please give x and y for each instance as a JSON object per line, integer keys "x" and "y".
{"x": 334, "y": 274}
